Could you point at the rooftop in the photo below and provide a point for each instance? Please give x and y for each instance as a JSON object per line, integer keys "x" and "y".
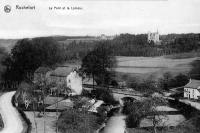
{"x": 193, "y": 84}
{"x": 61, "y": 105}
{"x": 42, "y": 70}
{"x": 62, "y": 71}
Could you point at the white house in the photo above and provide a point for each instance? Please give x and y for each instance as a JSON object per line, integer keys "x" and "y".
{"x": 74, "y": 82}
{"x": 192, "y": 89}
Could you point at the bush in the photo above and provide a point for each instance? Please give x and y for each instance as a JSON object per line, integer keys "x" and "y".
{"x": 195, "y": 72}
{"x": 132, "y": 121}
{"x": 147, "y": 86}
{"x": 105, "y": 95}
{"x": 75, "y": 121}
{"x": 167, "y": 81}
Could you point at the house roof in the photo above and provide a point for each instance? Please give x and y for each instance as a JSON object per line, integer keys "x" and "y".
{"x": 52, "y": 100}
{"x": 62, "y": 71}
{"x": 89, "y": 81}
{"x": 42, "y": 70}
{"x": 61, "y": 105}
{"x": 193, "y": 84}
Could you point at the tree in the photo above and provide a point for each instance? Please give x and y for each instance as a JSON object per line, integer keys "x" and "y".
{"x": 3, "y": 55}
{"x": 181, "y": 80}
{"x": 99, "y": 63}
{"x": 138, "y": 110}
{"x": 195, "y": 72}
{"x": 164, "y": 82}
{"x": 29, "y": 54}
{"x": 105, "y": 95}
{"x": 147, "y": 86}
{"x": 75, "y": 121}
{"x": 168, "y": 82}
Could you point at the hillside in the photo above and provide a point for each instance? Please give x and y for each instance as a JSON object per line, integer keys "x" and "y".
{"x": 7, "y": 43}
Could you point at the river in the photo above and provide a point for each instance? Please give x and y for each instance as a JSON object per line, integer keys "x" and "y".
{"x": 115, "y": 124}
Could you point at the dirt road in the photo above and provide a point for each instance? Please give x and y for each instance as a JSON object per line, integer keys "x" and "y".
{"x": 10, "y": 115}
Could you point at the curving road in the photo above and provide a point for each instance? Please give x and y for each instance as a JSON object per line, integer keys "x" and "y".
{"x": 10, "y": 115}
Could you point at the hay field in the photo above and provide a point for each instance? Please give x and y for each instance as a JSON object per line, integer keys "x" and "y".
{"x": 156, "y": 66}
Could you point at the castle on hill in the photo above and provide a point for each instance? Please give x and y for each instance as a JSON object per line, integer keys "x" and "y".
{"x": 153, "y": 36}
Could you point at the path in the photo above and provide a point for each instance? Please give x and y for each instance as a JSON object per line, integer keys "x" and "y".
{"x": 10, "y": 115}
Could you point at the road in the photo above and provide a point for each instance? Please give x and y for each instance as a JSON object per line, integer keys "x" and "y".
{"x": 10, "y": 115}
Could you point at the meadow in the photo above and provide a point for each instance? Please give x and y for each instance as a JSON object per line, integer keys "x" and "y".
{"x": 144, "y": 67}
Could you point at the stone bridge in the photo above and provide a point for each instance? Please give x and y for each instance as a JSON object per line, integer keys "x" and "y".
{"x": 119, "y": 94}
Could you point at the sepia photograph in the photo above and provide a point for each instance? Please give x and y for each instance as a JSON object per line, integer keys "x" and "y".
{"x": 99, "y": 66}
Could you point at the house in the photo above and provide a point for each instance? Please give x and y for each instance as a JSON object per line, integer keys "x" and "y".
{"x": 68, "y": 76}
{"x": 60, "y": 74}
{"x": 192, "y": 89}
{"x": 74, "y": 82}
{"x": 61, "y": 105}
{"x": 41, "y": 74}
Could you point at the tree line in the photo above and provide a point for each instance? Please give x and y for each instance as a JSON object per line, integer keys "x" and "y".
{"x": 29, "y": 54}
{"x": 137, "y": 45}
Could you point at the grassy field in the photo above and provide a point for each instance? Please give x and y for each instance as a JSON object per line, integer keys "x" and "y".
{"x": 143, "y": 67}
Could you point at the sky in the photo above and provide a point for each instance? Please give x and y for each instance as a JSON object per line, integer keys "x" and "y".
{"x": 97, "y": 17}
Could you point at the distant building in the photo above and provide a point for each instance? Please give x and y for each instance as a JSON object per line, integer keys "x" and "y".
{"x": 192, "y": 89}
{"x": 153, "y": 36}
{"x": 104, "y": 37}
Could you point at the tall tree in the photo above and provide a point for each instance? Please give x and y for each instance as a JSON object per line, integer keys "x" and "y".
{"x": 99, "y": 63}
{"x": 28, "y": 54}
{"x": 195, "y": 72}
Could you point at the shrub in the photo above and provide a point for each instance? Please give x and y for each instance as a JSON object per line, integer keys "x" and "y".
{"x": 75, "y": 121}
{"x": 105, "y": 95}
{"x": 132, "y": 121}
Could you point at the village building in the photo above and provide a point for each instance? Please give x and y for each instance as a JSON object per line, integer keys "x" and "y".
{"x": 41, "y": 74}
{"x": 74, "y": 82}
{"x": 60, "y": 74}
{"x": 64, "y": 79}
{"x": 69, "y": 77}
{"x": 192, "y": 89}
